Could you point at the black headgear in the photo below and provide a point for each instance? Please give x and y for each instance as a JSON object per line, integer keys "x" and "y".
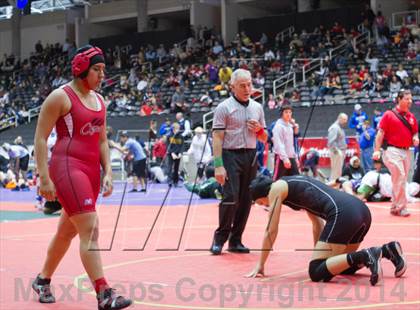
{"x": 209, "y": 171}
{"x": 260, "y": 187}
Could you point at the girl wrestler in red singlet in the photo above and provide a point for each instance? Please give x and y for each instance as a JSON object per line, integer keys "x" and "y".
{"x": 73, "y": 176}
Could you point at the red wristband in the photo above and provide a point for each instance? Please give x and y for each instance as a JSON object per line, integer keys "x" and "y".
{"x": 260, "y": 131}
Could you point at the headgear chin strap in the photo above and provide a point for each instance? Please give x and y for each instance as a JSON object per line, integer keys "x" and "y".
{"x": 83, "y": 61}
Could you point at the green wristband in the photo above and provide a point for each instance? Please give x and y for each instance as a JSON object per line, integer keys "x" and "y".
{"x": 218, "y": 162}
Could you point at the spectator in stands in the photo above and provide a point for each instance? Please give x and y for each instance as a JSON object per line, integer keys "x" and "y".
{"x": 165, "y": 129}
{"x": 416, "y": 83}
{"x": 337, "y": 145}
{"x": 259, "y": 80}
{"x": 271, "y": 102}
{"x": 296, "y": 43}
{"x": 369, "y": 86}
{"x": 401, "y": 73}
{"x": 366, "y": 141}
{"x": 373, "y": 62}
{"x": 377, "y": 116}
{"x": 161, "y": 54}
{"x": 211, "y": 70}
{"x": 295, "y": 96}
{"x": 369, "y": 16}
{"x": 217, "y": 49}
{"x": 269, "y": 56}
{"x": 142, "y": 84}
{"x": 38, "y": 47}
{"x": 178, "y": 100}
{"x": 394, "y": 86}
{"x": 184, "y": 125}
{"x": 224, "y": 74}
{"x": 357, "y": 119}
{"x": 380, "y": 22}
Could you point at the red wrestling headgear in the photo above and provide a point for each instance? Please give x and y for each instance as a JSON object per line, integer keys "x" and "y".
{"x": 84, "y": 59}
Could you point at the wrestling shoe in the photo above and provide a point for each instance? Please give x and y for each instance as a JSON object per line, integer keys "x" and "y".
{"x": 43, "y": 289}
{"x": 374, "y": 264}
{"x": 109, "y": 300}
{"x": 396, "y": 256}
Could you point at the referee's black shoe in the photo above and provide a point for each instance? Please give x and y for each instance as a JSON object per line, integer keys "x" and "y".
{"x": 394, "y": 253}
{"x": 238, "y": 248}
{"x": 374, "y": 264}
{"x": 216, "y": 249}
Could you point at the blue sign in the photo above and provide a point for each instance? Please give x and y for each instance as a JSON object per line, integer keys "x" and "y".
{"x": 20, "y": 4}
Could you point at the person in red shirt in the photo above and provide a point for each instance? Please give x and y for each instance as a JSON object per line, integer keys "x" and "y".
{"x": 399, "y": 128}
{"x": 73, "y": 175}
{"x": 159, "y": 150}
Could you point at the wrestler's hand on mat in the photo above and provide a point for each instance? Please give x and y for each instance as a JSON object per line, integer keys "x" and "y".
{"x": 220, "y": 175}
{"x": 258, "y": 272}
{"x": 47, "y": 189}
{"x": 107, "y": 185}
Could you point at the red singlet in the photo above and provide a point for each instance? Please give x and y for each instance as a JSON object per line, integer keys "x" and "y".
{"x": 75, "y": 161}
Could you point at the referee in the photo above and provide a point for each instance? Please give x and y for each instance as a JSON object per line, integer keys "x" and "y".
{"x": 238, "y": 123}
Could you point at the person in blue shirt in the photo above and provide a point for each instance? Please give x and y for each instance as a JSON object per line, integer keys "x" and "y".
{"x": 165, "y": 129}
{"x": 134, "y": 149}
{"x": 357, "y": 119}
{"x": 366, "y": 141}
{"x": 377, "y": 117}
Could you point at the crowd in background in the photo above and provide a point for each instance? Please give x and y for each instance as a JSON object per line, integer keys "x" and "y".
{"x": 194, "y": 75}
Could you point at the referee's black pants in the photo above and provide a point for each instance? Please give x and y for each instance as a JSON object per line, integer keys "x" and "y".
{"x": 241, "y": 168}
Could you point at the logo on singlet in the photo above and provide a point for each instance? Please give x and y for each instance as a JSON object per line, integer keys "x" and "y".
{"x": 92, "y": 127}
{"x": 88, "y": 202}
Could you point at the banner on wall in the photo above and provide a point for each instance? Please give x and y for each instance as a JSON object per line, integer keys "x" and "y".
{"x": 320, "y": 144}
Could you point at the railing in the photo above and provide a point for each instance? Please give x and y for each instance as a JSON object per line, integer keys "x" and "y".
{"x": 6, "y": 12}
{"x": 337, "y": 50}
{"x": 287, "y": 33}
{"x": 261, "y": 96}
{"x": 310, "y": 66}
{"x": 148, "y": 65}
{"x": 207, "y": 119}
{"x": 284, "y": 80}
{"x": 363, "y": 37}
{"x": 111, "y": 81}
{"x": 33, "y": 112}
{"x": 405, "y": 18}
